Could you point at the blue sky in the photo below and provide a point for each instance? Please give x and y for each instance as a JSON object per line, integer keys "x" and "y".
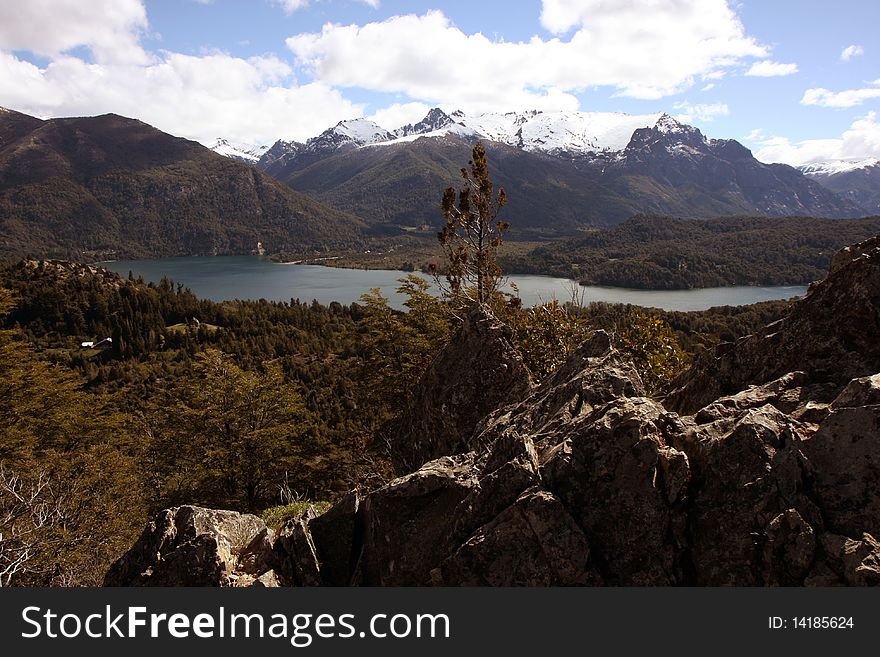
{"x": 794, "y": 81}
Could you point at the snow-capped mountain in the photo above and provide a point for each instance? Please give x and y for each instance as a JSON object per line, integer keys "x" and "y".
{"x": 563, "y": 171}
{"x": 855, "y": 180}
{"x": 345, "y": 135}
{"x": 244, "y": 152}
{"x": 834, "y": 167}
{"x": 574, "y": 134}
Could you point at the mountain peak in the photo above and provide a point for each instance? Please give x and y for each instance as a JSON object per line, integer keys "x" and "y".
{"x": 435, "y": 119}
{"x": 360, "y": 131}
{"x": 244, "y": 152}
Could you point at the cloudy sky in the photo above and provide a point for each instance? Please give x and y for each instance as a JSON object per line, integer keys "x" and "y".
{"x": 796, "y": 81}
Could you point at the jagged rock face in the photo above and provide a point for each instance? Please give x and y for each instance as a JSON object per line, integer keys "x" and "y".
{"x": 193, "y": 546}
{"x": 478, "y": 371}
{"x": 831, "y": 335}
{"x": 585, "y": 481}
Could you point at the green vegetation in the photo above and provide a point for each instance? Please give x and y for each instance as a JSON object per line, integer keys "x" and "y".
{"x": 546, "y": 335}
{"x": 276, "y": 516}
{"x": 652, "y": 252}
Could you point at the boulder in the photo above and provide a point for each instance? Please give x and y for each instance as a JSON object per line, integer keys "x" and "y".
{"x": 533, "y": 542}
{"x": 295, "y": 551}
{"x": 335, "y": 535}
{"x": 407, "y": 525}
{"x": 192, "y": 546}
{"x": 844, "y": 464}
{"x": 478, "y": 371}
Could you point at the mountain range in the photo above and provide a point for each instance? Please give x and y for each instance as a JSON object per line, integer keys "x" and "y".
{"x": 109, "y": 186}
{"x": 564, "y": 171}
{"x": 857, "y": 181}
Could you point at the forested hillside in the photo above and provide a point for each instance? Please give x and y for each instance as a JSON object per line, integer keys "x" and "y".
{"x": 654, "y": 252}
{"x": 108, "y": 186}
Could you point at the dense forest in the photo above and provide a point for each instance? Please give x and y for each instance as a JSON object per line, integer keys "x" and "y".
{"x": 653, "y": 252}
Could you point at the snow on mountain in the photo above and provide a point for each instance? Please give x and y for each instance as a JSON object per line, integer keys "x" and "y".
{"x": 568, "y": 133}
{"x": 434, "y": 121}
{"x": 834, "y": 167}
{"x": 561, "y": 132}
{"x": 552, "y": 132}
{"x": 246, "y": 152}
{"x": 359, "y": 132}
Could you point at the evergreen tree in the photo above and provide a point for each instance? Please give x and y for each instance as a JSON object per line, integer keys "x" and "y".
{"x": 472, "y": 234}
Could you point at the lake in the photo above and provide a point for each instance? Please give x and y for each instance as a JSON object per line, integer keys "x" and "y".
{"x": 251, "y": 277}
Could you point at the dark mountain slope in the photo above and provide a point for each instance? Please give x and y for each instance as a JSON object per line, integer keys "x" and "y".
{"x": 109, "y": 185}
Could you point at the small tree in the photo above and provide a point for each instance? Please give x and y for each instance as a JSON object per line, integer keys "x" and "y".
{"x": 472, "y": 233}
{"x": 654, "y": 350}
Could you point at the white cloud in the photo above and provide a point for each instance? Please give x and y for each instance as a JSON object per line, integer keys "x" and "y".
{"x": 108, "y": 28}
{"x": 205, "y": 97}
{"x": 290, "y": 6}
{"x": 399, "y": 115}
{"x": 840, "y": 99}
{"x": 851, "y": 51}
{"x": 642, "y": 48}
{"x": 700, "y": 112}
{"x": 860, "y": 141}
{"x": 769, "y": 69}
{"x": 199, "y": 97}
{"x": 755, "y": 135}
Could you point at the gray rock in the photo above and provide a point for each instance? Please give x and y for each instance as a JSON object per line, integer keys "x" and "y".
{"x": 747, "y": 470}
{"x": 854, "y": 562}
{"x": 408, "y": 523}
{"x": 534, "y": 542}
{"x": 334, "y": 534}
{"x": 478, "y": 371}
{"x": 296, "y": 553}
{"x": 187, "y": 546}
{"x": 845, "y": 469}
{"x": 864, "y": 391}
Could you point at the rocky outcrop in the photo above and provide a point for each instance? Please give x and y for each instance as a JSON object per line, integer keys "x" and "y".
{"x": 478, "y": 371}
{"x": 831, "y": 335}
{"x": 767, "y": 476}
{"x": 193, "y": 546}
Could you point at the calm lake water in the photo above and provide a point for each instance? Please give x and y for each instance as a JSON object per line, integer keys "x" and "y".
{"x": 252, "y": 277}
